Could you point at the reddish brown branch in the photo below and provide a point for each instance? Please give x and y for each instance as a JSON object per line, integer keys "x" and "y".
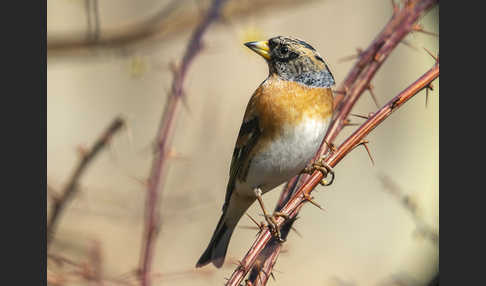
{"x": 292, "y": 207}
{"x": 70, "y": 189}
{"x": 356, "y": 82}
{"x": 165, "y": 130}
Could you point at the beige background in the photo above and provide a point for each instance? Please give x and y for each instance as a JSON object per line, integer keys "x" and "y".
{"x": 365, "y": 236}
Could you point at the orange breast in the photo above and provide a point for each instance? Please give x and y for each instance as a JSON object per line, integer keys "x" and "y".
{"x": 280, "y": 103}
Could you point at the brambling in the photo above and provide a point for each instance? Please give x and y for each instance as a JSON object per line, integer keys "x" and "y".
{"x": 284, "y": 124}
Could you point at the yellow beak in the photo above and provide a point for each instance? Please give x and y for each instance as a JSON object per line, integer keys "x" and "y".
{"x": 260, "y": 48}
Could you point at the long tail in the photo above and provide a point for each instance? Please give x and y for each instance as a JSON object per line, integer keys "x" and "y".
{"x": 218, "y": 245}
{"x": 216, "y": 250}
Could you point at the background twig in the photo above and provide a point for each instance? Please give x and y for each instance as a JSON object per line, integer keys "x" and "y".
{"x": 60, "y": 202}
{"x": 163, "y": 144}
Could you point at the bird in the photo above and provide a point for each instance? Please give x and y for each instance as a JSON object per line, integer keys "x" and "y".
{"x": 283, "y": 126}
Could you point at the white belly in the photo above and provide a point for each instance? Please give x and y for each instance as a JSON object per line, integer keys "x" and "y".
{"x": 286, "y": 156}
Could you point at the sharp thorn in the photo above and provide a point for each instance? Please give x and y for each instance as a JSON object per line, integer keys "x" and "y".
{"x": 420, "y": 29}
{"x": 311, "y": 200}
{"x": 296, "y": 231}
{"x": 360, "y": 115}
{"x": 370, "y": 89}
{"x": 408, "y": 44}
{"x": 426, "y": 97}
{"x": 432, "y": 55}
{"x": 364, "y": 143}
{"x": 348, "y": 122}
{"x": 185, "y": 103}
{"x": 347, "y": 58}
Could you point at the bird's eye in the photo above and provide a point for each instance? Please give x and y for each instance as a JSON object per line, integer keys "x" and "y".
{"x": 283, "y": 50}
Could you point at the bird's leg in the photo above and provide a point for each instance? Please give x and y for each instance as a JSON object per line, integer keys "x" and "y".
{"x": 272, "y": 222}
{"x": 321, "y": 165}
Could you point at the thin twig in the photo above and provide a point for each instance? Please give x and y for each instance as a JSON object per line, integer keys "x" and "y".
{"x": 86, "y": 158}
{"x": 163, "y": 145}
{"x": 292, "y": 207}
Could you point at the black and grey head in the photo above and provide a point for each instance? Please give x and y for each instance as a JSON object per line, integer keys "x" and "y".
{"x": 294, "y": 59}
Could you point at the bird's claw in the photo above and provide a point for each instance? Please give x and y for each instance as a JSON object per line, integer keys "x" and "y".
{"x": 322, "y": 166}
{"x": 272, "y": 224}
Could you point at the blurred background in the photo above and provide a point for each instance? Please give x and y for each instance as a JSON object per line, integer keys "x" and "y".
{"x": 381, "y": 222}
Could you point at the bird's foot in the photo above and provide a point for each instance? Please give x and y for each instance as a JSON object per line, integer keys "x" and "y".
{"x": 321, "y": 165}
{"x": 272, "y": 224}
{"x": 271, "y": 219}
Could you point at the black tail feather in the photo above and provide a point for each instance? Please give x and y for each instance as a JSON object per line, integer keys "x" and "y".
{"x": 216, "y": 250}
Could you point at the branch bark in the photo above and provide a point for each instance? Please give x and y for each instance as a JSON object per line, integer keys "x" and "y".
{"x": 165, "y": 131}
{"x": 71, "y": 188}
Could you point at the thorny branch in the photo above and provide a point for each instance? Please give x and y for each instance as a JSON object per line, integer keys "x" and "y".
{"x": 165, "y": 130}
{"x": 357, "y": 81}
{"x": 293, "y": 206}
{"x": 86, "y": 158}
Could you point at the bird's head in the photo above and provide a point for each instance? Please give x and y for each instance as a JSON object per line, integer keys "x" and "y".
{"x": 294, "y": 59}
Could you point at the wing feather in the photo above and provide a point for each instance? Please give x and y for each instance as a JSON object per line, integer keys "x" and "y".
{"x": 247, "y": 138}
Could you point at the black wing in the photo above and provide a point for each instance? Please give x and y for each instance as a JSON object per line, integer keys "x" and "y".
{"x": 247, "y": 139}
